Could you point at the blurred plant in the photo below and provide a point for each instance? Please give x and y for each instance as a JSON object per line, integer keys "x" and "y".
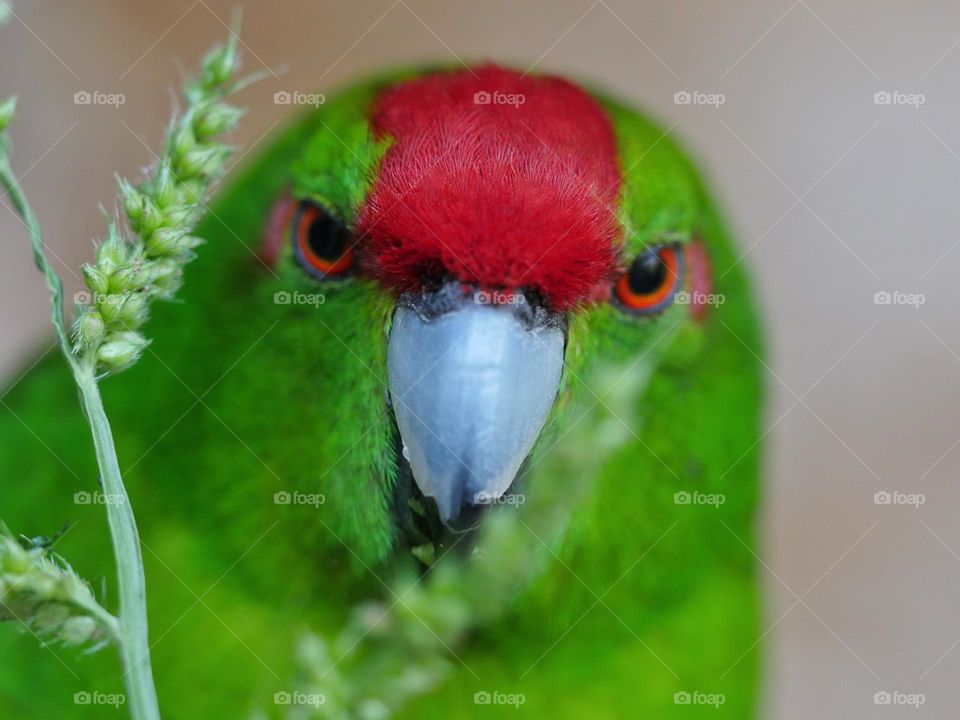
{"x": 389, "y": 653}
{"x": 131, "y": 270}
{"x": 394, "y": 650}
{"x": 41, "y": 591}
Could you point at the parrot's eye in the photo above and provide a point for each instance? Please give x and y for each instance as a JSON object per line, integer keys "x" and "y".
{"x": 649, "y": 284}
{"x": 322, "y": 245}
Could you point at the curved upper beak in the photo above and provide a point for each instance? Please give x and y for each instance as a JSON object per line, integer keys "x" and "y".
{"x": 471, "y": 386}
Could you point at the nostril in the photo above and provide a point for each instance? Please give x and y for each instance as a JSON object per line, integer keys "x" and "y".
{"x": 525, "y": 304}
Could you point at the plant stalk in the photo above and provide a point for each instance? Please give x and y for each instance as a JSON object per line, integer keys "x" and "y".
{"x": 134, "y": 648}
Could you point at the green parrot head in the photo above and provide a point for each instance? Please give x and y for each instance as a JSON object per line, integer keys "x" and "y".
{"x": 466, "y": 267}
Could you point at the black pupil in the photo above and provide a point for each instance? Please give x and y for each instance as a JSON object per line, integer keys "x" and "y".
{"x": 646, "y": 274}
{"x": 326, "y": 237}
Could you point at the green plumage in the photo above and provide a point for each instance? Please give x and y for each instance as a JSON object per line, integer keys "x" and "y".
{"x": 239, "y": 398}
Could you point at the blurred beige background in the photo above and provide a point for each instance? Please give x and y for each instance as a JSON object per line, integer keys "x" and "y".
{"x": 833, "y": 197}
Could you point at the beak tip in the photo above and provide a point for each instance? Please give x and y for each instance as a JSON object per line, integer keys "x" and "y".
{"x": 457, "y": 507}
{"x": 450, "y": 504}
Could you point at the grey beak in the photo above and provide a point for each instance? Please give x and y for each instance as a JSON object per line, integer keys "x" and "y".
{"x": 471, "y": 388}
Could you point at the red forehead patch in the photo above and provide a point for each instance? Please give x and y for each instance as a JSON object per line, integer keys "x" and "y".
{"x": 497, "y": 179}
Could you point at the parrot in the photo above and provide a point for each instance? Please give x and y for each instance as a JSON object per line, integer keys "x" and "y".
{"x": 440, "y": 297}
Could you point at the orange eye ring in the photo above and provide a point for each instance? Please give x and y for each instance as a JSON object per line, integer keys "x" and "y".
{"x": 648, "y": 285}
{"x": 322, "y": 245}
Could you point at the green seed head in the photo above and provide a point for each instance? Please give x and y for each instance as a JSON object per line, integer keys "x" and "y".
{"x": 78, "y": 630}
{"x": 90, "y": 329}
{"x": 182, "y": 141}
{"x": 109, "y": 307}
{"x": 214, "y": 119}
{"x": 133, "y": 312}
{"x": 133, "y": 270}
{"x": 95, "y": 279}
{"x": 43, "y": 592}
{"x": 191, "y": 192}
{"x": 219, "y": 64}
{"x": 201, "y": 162}
{"x": 164, "y": 186}
{"x": 111, "y": 255}
{"x": 121, "y": 350}
{"x": 166, "y": 277}
{"x": 164, "y": 242}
